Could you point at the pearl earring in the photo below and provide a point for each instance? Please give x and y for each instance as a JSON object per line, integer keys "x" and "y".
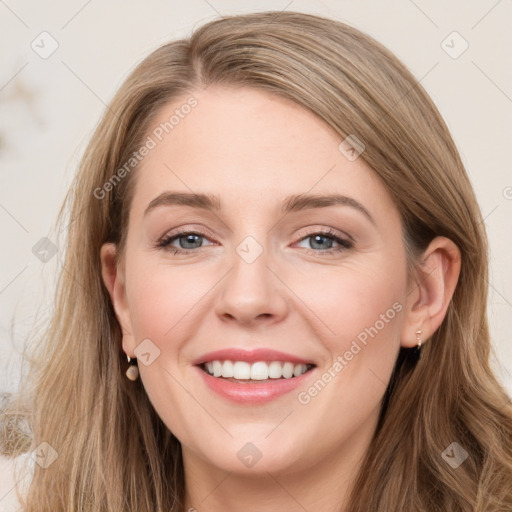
{"x": 133, "y": 371}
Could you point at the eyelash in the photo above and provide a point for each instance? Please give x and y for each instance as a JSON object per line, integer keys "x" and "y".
{"x": 344, "y": 244}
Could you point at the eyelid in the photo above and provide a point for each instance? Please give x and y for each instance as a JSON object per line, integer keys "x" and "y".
{"x": 188, "y": 229}
{"x": 344, "y": 243}
{"x": 327, "y": 231}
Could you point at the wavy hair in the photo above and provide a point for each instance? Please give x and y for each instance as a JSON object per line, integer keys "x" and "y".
{"x": 114, "y": 452}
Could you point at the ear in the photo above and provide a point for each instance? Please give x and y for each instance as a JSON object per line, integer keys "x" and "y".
{"x": 114, "y": 278}
{"x": 431, "y": 290}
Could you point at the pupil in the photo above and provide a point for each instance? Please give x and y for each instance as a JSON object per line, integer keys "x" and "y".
{"x": 319, "y": 238}
{"x": 191, "y": 239}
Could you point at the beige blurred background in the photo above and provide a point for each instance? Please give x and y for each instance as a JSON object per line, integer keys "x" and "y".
{"x": 61, "y": 62}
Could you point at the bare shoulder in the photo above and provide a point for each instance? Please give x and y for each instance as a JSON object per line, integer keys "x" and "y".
{"x": 14, "y": 472}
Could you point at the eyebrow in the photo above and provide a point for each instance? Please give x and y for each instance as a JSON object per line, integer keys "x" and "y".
{"x": 292, "y": 203}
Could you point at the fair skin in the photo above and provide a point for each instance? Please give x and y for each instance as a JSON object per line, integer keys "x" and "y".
{"x": 300, "y": 296}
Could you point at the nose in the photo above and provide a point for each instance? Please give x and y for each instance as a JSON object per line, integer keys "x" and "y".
{"x": 251, "y": 294}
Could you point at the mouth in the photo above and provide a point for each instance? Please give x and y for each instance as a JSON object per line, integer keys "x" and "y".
{"x": 251, "y": 377}
{"x": 255, "y": 383}
{"x": 244, "y": 372}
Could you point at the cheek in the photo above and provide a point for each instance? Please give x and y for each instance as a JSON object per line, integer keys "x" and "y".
{"x": 363, "y": 311}
{"x": 349, "y": 300}
{"x": 164, "y": 299}
{"x": 359, "y": 317}
{"x": 164, "y": 305}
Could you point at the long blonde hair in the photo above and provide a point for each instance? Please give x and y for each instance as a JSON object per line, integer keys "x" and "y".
{"x": 114, "y": 452}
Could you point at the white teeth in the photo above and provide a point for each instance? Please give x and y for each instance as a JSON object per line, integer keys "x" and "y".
{"x": 297, "y": 370}
{"x": 217, "y": 368}
{"x": 288, "y": 370}
{"x": 227, "y": 369}
{"x": 259, "y": 370}
{"x": 275, "y": 370}
{"x": 241, "y": 370}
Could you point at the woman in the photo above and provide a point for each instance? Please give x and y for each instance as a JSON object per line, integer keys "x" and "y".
{"x": 273, "y": 226}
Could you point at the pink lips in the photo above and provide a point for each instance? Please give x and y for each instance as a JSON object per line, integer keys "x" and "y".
{"x": 251, "y": 392}
{"x": 250, "y": 356}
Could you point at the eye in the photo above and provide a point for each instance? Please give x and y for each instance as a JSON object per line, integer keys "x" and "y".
{"x": 187, "y": 241}
{"x": 325, "y": 241}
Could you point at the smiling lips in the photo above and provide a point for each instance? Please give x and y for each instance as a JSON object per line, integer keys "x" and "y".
{"x": 260, "y": 370}
{"x": 259, "y": 364}
{"x": 269, "y": 373}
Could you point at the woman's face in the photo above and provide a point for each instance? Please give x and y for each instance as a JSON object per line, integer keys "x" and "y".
{"x": 264, "y": 264}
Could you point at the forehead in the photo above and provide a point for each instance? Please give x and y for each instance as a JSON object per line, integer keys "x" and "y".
{"x": 250, "y": 148}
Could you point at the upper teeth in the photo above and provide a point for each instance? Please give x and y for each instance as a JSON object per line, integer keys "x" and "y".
{"x": 255, "y": 371}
